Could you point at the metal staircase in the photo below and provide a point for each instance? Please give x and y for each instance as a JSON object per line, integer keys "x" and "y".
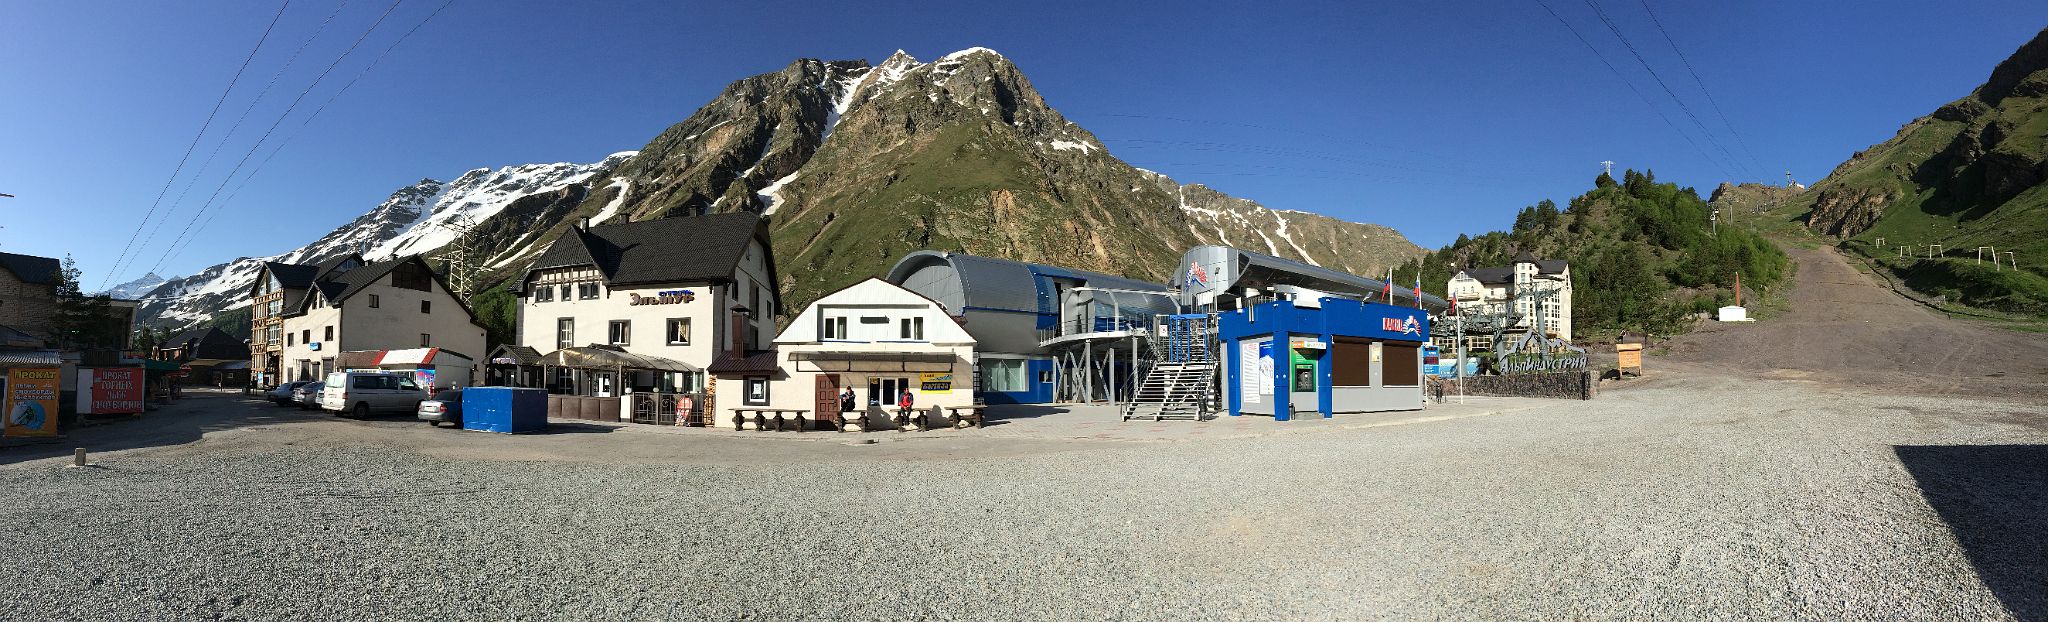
{"x": 1181, "y": 383}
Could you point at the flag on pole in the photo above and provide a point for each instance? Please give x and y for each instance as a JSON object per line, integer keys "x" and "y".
{"x": 1387, "y": 293}
{"x": 1418, "y": 289}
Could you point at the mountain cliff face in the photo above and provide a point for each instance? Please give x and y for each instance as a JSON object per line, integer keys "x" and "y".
{"x": 1964, "y": 173}
{"x": 858, "y": 164}
{"x": 854, "y": 165}
{"x": 1970, "y": 178}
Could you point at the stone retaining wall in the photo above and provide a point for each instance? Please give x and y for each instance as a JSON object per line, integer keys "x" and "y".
{"x": 1577, "y": 385}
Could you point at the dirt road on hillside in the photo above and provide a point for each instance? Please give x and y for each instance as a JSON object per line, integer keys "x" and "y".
{"x": 1846, "y": 327}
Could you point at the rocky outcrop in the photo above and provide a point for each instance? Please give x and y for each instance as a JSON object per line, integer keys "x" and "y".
{"x": 1845, "y": 212}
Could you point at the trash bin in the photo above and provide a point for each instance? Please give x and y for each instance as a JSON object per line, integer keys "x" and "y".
{"x": 507, "y": 410}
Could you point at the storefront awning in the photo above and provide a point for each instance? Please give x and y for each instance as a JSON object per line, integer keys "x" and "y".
{"x": 840, "y": 360}
{"x": 30, "y": 358}
{"x": 606, "y": 357}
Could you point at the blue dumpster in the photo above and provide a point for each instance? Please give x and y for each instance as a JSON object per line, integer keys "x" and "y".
{"x": 504, "y": 409}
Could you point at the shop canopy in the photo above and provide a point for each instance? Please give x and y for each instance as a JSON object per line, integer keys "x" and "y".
{"x": 419, "y": 358}
{"x": 30, "y": 358}
{"x": 840, "y": 360}
{"x": 606, "y": 357}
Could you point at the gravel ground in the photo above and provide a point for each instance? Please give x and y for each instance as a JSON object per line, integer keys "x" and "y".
{"x": 1685, "y": 498}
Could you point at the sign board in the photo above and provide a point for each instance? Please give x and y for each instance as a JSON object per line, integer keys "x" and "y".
{"x": 425, "y": 378}
{"x": 669, "y": 297}
{"x": 110, "y": 390}
{"x": 30, "y": 402}
{"x": 1309, "y": 344}
{"x": 1248, "y": 371}
{"x": 935, "y": 382}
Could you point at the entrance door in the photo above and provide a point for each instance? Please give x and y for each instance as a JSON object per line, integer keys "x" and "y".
{"x": 827, "y": 401}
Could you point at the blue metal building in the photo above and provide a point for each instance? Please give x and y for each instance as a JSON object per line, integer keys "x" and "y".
{"x": 1044, "y": 333}
{"x": 1326, "y": 355}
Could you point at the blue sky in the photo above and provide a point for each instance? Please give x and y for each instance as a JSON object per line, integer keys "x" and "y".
{"x": 1433, "y": 118}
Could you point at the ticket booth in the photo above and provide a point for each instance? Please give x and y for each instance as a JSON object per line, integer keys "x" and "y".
{"x": 1336, "y": 356}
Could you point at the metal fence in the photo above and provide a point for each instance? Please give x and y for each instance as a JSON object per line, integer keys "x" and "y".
{"x": 684, "y": 409}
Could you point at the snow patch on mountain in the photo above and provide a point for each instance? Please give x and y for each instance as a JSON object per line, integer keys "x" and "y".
{"x": 619, "y": 184}
{"x": 418, "y": 218}
{"x": 771, "y": 196}
{"x": 136, "y": 288}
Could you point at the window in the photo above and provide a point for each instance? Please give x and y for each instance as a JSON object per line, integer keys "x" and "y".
{"x": 757, "y": 390}
{"x": 328, "y": 334}
{"x": 679, "y": 331}
{"x": 1351, "y": 363}
{"x": 565, "y": 292}
{"x": 756, "y": 303}
{"x": 835, "y": 328}
{"x": 288, "y": 339}
{"x": 753, "y": 336}
{"x": 913, "y": 328}
{"x": 1002, "y": 375}
{"x": 276, "y": 307}
{"x": 565, "y": 332}
{"x": 426, "y": 340}
{"x": 375, "y": 301}
{"x": 1400, "y": 365}
{"x": 621, "y": 332}
{"x": 306, "y": 335}
{"x": 426, "y": 306}
{"x": 586, "y": 291}
{"x": 270, "y": 335}
{"x": 544, "y": 294}
{"x": 412, "y": 275}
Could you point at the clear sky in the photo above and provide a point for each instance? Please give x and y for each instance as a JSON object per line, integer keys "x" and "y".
{"x": 1435, "y": 118}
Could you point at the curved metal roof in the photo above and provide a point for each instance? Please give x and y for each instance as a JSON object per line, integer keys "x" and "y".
{"x": 990, "y": 283}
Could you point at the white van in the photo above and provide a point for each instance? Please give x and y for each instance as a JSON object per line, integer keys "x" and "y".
{"x": 358, "y": 394}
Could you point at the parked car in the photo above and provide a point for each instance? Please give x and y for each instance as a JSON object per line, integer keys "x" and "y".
{"x": 282, "y": 394}
{"x": 360, "y": 394}
{"x": 444, "y": 406}
{"x": 308, "y": 397}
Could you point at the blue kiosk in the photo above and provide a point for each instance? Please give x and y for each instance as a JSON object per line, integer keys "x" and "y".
{"x": 1328, "y": 355}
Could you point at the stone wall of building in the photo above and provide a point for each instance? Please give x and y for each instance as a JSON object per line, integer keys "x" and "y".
{"x": 1578, "y": 385}
{"x": 27, "y": 307}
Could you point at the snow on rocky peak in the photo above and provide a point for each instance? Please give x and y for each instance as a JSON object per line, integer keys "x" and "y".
{"x": 479, "y": 195}
{"x": 136, "y": 288}
{"x": 416, "y": 219}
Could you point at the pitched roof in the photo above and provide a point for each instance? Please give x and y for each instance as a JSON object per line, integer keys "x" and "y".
{"x": 755, "y": 361}
{"x": 1525, "y": 257}
{"x": 292, "y": 275}
{"x": 31, "y": 269}
{"x": 667, "y": 250}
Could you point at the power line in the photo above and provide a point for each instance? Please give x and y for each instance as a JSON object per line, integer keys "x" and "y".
{"x": 273, "y": 128}
{"x": 118, "y": 261}
{"x": 274, "y": 76}
{"x": 1704, "y": 132}
{"x": 1744, "y": 144}
{"x": 306, "y": 122}
{"x": 1632, "y": 88}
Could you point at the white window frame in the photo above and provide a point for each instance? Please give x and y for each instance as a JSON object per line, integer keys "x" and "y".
{"x": 620, "y": 332}
{"x": 756, "y": 385}
{"x": 673, "y": 334}
{"x": 565, "y": 332}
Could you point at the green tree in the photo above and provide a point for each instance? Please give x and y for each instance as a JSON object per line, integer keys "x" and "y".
{"x": 82, "y": 322}
{"x": 498, "y": 310}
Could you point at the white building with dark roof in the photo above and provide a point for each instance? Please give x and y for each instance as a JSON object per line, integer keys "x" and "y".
{"x": 307, "y": 316}
{"x": 1492, "y": 290}
{"x": 673, "y": 290}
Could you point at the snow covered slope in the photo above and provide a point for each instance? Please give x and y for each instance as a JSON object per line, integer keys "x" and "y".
{"x": 136, "y": 288}
{"x": 413, "y": 220}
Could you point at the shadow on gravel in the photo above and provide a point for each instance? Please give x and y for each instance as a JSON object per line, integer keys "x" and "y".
{"x": 556, "y": 427}
{"x": 998, "y": 415}
{"x": 177, "y": 424}
{"x": 1995, "y": 499}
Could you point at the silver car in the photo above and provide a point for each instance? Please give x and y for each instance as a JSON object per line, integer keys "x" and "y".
{"x": 307, "y": 396}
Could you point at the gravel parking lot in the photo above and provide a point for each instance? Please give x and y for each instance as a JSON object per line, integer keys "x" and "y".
{"x": 1693, "y": 497}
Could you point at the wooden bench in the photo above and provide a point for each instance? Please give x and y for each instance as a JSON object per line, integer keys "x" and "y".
{"x": 784, "y": 418}
{"x": 975, "y": 414}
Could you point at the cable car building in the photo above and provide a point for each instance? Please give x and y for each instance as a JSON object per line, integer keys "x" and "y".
{"x": 1044, "y": 333}
{"x": 1222, "y": 278}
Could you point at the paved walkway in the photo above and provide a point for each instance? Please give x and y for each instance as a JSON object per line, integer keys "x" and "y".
{"x": 1101, "y": 422}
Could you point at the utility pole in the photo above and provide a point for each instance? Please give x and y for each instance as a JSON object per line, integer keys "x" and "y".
{"x": 1788, "y": 184}
{"x": 1714, "y": 222}
{"x": 1607, "y": 167}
